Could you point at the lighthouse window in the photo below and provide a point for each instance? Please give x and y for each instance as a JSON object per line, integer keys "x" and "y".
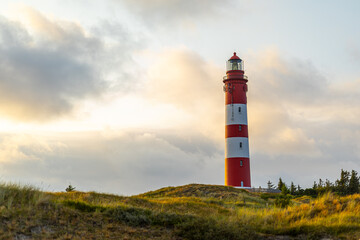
{"x": 239, "y": 128}
{"x": 235, "y": 66}
{"x": 240, "y": 144}
{"x": 242, "y": 183}
{"x": 241, "y": 163}
{"x": 239, "y": 109}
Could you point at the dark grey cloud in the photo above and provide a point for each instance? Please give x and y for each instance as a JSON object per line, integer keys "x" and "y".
{"x": 46, "y": 68}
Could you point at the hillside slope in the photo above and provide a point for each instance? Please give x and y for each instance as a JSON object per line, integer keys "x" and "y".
{"x": 192, "y": 211}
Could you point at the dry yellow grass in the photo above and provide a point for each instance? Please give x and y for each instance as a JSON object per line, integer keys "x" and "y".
{"x": 187, "y": 212}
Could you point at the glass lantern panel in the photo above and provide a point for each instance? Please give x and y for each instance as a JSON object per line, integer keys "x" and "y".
{"x": 234, "y": 64}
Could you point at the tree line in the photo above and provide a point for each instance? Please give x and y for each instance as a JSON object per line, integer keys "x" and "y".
{"x": 347, "y": 184}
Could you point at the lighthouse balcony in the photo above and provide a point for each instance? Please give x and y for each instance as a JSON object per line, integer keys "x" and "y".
{"x": 238, "y": 77}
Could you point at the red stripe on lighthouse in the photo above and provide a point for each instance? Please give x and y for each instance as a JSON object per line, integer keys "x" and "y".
{"x": 237, "y": 171}
{"x": 236, "y": 87}
{"x": 236, "y": 131}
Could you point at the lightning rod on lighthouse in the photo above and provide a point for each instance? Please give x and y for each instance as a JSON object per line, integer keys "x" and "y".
{"x": 237, "y": 160}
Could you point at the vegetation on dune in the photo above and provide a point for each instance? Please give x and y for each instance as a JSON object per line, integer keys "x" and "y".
{"x": 192, "y": 211}
{"x": 348, "y": 183}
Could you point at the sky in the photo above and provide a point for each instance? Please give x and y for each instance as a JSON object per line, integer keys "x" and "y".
{"x": 124, "y": 96}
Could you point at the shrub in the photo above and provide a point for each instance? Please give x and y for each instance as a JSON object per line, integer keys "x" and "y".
{"x": 170, "y": 219}
{"x": 283, "y": 200}
{"x": 131, "y": 216}
{"x": 70, "y": 188}
{"x": 82, "y": 206}
{"x": 267, "y": 196}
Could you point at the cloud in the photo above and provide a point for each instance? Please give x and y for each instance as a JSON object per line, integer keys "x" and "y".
{"x": 124, "y": 163}
{"x": 180, "y": 77}
{"x": 184, "y": 79}
{"x": 159, "y": 13}
{"x": 22, "y": 147}
{"x": 299, "y": 121}
{"x": 298, "y": 82}
{"x": 301, "y": 126}
{"x": 47, "y": 66}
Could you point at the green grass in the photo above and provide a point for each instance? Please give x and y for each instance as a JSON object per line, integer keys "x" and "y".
{"x": 192, "y": 211}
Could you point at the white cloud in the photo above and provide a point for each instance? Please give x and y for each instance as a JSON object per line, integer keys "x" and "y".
{"x": 160, "y": 13}
{"x": 184, "y": 79}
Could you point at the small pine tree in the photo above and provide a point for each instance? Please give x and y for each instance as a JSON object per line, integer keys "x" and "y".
{"x": 283, "y": 200}
{"x": 315, "y": 186}
{"x": 354, "y": 183}
{"x": 299, "y": 190}
{"x": 70, "y": 188}
{"x": 280, "y": 184}
{"x": 285, "y": 190}
{"x": 321, "y": 183}
{"x": 328, "y": 184}
{"x": 292, "y": 189}
{"x": 342, "y": 185}
{"x": 270, "y": 184}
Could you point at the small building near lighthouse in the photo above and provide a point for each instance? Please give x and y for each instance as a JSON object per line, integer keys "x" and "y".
{"x": 237, "y": 159}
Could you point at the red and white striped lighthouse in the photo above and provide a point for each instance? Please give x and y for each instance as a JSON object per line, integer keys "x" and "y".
{"x": 237, "y": 162}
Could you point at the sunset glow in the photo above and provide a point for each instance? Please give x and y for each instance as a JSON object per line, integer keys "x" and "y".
{"x": 126, "y": 96}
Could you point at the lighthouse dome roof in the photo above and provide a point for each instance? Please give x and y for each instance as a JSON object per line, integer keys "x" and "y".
{"x": 234, "y": 57}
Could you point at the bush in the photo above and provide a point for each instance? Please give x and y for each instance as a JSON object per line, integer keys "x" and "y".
{"x": 142, "y": 217}
{"x": 267, "y": 196}
{"x": 283, "y": 200}
{"x": 170, "y": 219}
{"x": 82, "y": 206}
{"x": 70, "y": 188}
{"x": 131, "y": 216}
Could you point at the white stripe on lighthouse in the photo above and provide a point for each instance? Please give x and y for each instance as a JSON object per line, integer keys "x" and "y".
{"x": 236, "y": 114}
{"x": 237, "y": 147}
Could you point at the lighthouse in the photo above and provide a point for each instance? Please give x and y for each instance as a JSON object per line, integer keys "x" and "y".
{"x": 237, "y": 161}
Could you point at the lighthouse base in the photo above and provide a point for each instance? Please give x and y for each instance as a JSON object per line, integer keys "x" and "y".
{"x": 237, "y": 172}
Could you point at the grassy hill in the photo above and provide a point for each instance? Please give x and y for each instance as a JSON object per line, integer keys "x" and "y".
{"x": 192, "y": 211}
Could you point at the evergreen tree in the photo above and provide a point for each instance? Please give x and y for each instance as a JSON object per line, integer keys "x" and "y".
{"x": 280, "y": 184}
{"x": 342, "y": 185}
{"x": 292, "y": 189}
{"x": 283, "y": 200}
{"x": 321, "y": 183}
{"x": 315, "y": 186}
{"x": 70, "y": 188}
{"x": 328, "y": 186}
{"x": 270, "y": 185}
{"x": 299, "y": 190}
{"x": 354, "y": 183}
{"x": 284, "y": 190}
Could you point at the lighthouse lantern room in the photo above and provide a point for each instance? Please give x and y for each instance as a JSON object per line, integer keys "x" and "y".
{"x": 237, "y": 161}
